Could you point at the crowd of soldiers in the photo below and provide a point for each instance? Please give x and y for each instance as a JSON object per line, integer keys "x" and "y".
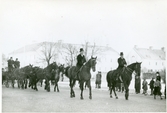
{"x": 13, "y": 64}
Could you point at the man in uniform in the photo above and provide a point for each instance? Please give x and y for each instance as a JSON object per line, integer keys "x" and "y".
{"x": 17, "y": 63}
{"x": 121, "y": 64}
{"x": 10, "y": 64}
{"x": 80, "y": 61}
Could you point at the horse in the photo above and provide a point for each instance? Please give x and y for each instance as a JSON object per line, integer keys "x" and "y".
{"x": 126, "y": 77}
{"x": 84, "y": 76}
{"x": 37, "y": 75}
{"x": 51, "y": 72}
{"x": 27, "y": 74}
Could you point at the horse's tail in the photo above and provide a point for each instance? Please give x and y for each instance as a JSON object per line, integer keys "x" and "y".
{"x": 108, "y": 78}
{"x": 66, "y": 71}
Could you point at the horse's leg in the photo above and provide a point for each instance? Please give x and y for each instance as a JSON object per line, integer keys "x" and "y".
{"x": 81, "y": 86}
{"x": 48, "y": 86}
{"x": 62, "y": 78}
{"x": 41, "y": 82}
{"x": 36, "y": 85}
{"x": 90, "y": 89}
{"x": 71, "y": 88}
{"x": 113, "y": 87}
{"x": 7, "y": 83}
{"x": 25, "y": 83}
{"x": 13, "y": 83}
{"x": 126, "y": 91}
{"x": 22, "y": 84}
{"x": 18, "y": 83}
{"x": 73, "y": 93}
{"x": 85, "y": 85}
{"x": 57, "y": 85}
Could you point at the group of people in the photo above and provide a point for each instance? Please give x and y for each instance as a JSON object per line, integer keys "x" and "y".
{"x": 155, "y": 86}
{"x": 13, "y": 64}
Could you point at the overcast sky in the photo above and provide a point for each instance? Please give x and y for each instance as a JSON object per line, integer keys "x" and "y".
{"x": 117, "y": 23}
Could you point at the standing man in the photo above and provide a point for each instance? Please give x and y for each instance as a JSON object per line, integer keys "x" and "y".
{"x": 144, "y": 86}
{"x": 80, "y": 61}
{"x": 17, "y": 63}
{"x": 10, "y": 64}
{"x": 151, "y": 85}
{"x": 98, "y": 80}
{"x": 121, "y": 64}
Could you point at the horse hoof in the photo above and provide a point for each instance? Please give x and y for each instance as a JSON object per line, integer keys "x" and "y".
{"x": 116, "y": 97}
{"x": 81, "y": 98}
{"x": 90, "y": 98}
{"x": 110, "y": 96}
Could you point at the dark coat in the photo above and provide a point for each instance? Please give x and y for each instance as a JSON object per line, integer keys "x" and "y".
{"x": 80, "y": 60}
{"x": 151, "y": 84}
{"x": 121, "y": 62}
{"x": 10, "y": 62}
{"x": 17, "y": 64}
{"x": 98, "y": 78}
{"x": 158, "y": 78}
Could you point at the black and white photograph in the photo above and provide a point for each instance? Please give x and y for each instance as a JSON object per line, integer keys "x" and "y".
{"x": 83, "y": 55}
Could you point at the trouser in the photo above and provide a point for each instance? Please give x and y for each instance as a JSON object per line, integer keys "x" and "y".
{"x": 151, "y": 91}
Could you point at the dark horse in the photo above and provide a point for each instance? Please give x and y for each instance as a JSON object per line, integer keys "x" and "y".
{"x": 51, "y": 73}
{"x": 84, "y": 76}
{"x": 37, "y": 75}
{"x": 126, "y": 77}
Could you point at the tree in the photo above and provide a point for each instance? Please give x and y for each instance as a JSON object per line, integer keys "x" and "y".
{"x": 49, "y": 51}
{"x": 91, "y": 50}
{"x": 71, "y": 53}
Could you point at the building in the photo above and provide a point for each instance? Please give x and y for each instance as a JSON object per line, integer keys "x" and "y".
{"x": 152, "y": 59}
{"x": 65, "y": 53}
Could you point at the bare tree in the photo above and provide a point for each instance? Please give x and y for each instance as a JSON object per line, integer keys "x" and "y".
{"x": 96, "y": 50}
{"x": 71, "y": 53}
{"x": 92, "y": 50}
{"x": 49, "y": 51}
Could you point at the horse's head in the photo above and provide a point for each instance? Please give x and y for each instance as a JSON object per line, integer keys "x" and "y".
{"x": 52, "y": 66}
{"x": 62, "y": 68}
{"x": 137, "y": 68}
{"x": 93, "y": 63}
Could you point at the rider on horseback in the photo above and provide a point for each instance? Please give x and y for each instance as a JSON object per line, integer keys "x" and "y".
{"x": 121, "y": 65}
{"x": 17, "y": 63}
{"x": 10, "y": 64}
{"x": 80, "y": 61}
